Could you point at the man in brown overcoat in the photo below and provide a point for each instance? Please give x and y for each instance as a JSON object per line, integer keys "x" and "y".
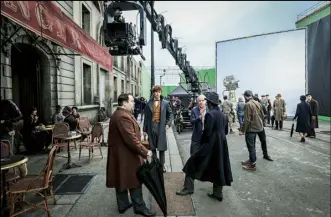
{"x": 125, "y": 156}
{"x": 279, "y": 111}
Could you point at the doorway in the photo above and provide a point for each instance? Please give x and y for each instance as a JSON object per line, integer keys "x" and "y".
{"x": 31, "y": 81}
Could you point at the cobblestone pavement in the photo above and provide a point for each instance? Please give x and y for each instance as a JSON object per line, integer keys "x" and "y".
{"x": 296, "y": 184}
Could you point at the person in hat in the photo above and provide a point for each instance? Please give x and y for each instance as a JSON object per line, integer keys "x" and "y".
{"x": 211, "y": 162}
{"x": 279, "y": 111}
{"x": 227, "y": 108}
{"x": 158, "y": 118}
{"x": 69, "y": 118}
{"x": 75, "y": 112}
{"x": 314, "y": 112}
{"x": 253, "y": 124}
{"x": 269, "y": 108}
{"x": 303, "y": 115}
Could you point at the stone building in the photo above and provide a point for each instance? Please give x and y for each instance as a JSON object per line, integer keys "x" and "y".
{"x": 52, "y": 53}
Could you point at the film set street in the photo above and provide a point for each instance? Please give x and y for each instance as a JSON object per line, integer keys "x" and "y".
{"x": 283, "y": 187}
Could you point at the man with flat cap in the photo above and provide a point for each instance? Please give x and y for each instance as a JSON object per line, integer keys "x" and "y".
{"x": 211, "y": 162}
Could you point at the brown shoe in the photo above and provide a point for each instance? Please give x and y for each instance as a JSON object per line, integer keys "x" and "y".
{"x": 245, "y": 162}
{"x": 250, "y": 167}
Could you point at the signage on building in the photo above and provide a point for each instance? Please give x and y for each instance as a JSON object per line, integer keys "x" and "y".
{"x": 46, "y": 19}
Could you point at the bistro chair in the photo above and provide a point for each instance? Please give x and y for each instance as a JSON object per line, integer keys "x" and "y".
{"x": 39, "y": 185}
{"x": 11, "y": 175}
{"x": 60, "y": 129}
{"x": 84, "y": 128}
{"x": 95, "y": 142}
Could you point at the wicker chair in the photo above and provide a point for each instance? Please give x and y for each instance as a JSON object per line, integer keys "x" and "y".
{"x": 11, "y": 175}
{"x": 39, "y": 184}
{"x": 60, "y": 129}
{"x": 84, "y": 128}
{"x": 97, "y": 132}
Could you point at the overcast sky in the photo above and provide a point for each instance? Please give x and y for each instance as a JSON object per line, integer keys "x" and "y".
{"x": 199, "y": 24}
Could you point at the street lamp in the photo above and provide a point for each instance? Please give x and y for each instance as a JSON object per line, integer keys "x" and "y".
{"x": 164, "y": 71}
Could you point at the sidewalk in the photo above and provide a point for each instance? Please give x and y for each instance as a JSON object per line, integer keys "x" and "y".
{"x": 97, "y": 201}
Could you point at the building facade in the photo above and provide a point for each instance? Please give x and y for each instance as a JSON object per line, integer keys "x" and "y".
{"x": 52, "y": 53}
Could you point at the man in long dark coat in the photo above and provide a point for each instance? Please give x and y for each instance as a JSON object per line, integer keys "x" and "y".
{"x": 158, "y": 118}
{"x": 197, "y": 119}
{"x": 211, "y": 162}
{"x": 314, "y": 112}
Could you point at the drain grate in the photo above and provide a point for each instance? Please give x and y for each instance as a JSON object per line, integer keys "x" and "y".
{"x": 72, "y": 183}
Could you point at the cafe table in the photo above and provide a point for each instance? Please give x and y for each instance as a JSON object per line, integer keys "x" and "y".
{"x": 68, "y": 139}
{"x": 6, "y": 164}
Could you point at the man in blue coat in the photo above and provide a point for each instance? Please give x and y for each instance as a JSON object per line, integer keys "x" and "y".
{"x": 197, "y": 119}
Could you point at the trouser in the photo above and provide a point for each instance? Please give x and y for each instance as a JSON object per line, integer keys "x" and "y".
{"x": 155, "y": 138}
{"x": 280, "y": 124}
{"x": 250, "y": 138}
{"x": 189, "y": 182}
{"x": 263, "y": 139}
{"x": 312, "y": 132}
{"x": 137, "y": 199}
{"x": 241, "y": 119}
{"x": 218, "y": 190}
{"x": 230, "y": 120}
{"x": 268, "y": 117}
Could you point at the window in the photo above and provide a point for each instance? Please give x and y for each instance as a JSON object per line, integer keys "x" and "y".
{"x": 115, "y": 90}
{"x": 132, "y": 90}
{"x": 116, "y": 61}
{"x": 102, "y": 37}
{"x": 87, "y": 85}
{"x": 86, "y": 19}
{"x": 122, "y": 63}
{"x": 135, "y": 90}
{"x": 128, "y": 87}
{"x": 122, "y": 86}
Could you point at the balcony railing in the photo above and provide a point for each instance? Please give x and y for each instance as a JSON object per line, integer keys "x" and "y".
{"x": 313, "y": 9}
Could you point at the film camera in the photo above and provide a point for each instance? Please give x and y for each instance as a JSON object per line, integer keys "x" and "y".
{"x": 120, "y": 36}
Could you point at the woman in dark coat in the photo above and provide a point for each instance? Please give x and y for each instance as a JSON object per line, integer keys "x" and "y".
{"x": 211, "y": 162}
{"x": 303, "y": 115}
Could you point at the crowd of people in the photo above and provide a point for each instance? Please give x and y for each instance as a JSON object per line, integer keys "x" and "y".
{"x": 211, "y": 120}
{"x": 28, "y": 125}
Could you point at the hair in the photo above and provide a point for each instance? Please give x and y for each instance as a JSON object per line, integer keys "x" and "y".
{"x": 124, "y": 97}
{"x": 57, "y": 107}
{"x": 225, "y": 97}
{"x": 201, "y": 96}
{"x": 157, "y": 89}
{"x": 303, "y": 98}
{"x": 33, "y": 109}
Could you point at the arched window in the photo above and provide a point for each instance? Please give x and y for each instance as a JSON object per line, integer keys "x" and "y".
{"x": 101, "y": 39}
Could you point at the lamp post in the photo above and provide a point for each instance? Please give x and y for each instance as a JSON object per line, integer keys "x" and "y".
{"x": 152, "y": 51}
{"x": 164, "y": 71}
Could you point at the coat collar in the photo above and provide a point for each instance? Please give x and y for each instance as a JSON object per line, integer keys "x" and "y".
{"x": 150, "y": 104}
{"x": 129, "y": 113}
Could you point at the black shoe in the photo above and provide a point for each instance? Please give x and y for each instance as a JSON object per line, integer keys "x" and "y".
{"x": 303, "y": 139}
{"x": 267, "y": 158}
{"x": 123, "y": 210}
{"x": 184, "y": 192}
{"x": 215, "y": 197}
{"x": 146, "y": 212}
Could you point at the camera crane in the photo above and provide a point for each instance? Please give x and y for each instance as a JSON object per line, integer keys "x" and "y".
{"x": 121, "y": 37}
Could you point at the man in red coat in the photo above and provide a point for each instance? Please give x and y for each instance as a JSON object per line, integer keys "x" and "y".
{"x": 125, "y": 156}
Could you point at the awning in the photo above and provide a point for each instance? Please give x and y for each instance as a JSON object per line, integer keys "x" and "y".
{"x": 46, "y": 19}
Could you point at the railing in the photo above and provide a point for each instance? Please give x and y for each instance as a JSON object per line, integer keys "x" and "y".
{"x": 313, "y": 9}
